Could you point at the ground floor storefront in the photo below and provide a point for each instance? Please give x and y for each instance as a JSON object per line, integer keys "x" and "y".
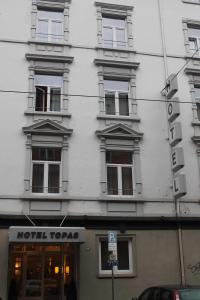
{"x": 57, "y": 263}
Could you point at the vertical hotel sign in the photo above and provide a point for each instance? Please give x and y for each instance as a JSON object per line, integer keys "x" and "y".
{"x": 175, "y": 137}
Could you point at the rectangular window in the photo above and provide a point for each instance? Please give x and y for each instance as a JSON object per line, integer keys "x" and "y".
{"x": 116, "y": 97}
{"x": 48, "y": 93}
{"x": 114, "y": 32}
{"x": 197, "y": 99}
{"x": 46, "y": 170}
{"x": 49, "y": 26}
{"x": 119, "y": 173}
{"x": 124, "y": 257}
{"x": 194, "y": 38}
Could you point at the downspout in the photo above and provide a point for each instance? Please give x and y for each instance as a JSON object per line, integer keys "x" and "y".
{"x": 179, "y": 230}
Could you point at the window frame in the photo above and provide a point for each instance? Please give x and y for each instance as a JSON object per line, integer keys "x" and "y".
{"x": 131, "y": 272}
{"x": 117, "y": 100}
{"x": 49, "y": 87}
{"x": 120, "y": 137}
{"x": 114, "y": 11}
{"x": 120, "y": 177}
{"x": 46, "y": 134}
{"x": 50, "y": 22}
{"x": 46, "y": 164}
{"x": 188, "y": 23}
{"x": 56, "y": 6}
{"x": 114, "y": 29}
{"x": 48, "y": 65}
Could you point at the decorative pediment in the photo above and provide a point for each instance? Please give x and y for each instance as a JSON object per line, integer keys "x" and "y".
{"x": 47, "y": 127}
{"x": 119, "y": 131}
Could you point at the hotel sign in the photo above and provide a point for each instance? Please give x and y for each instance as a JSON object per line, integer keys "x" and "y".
{"x": 47, "y": 234}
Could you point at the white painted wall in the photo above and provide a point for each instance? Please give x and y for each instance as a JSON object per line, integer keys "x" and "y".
{"x": 84, "y": 154}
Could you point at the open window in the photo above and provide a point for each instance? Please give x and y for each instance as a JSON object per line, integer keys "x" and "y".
{"x": 48, "y": 93}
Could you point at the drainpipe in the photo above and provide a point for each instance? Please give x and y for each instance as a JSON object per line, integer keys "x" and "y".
{"x": 179, "y": 230}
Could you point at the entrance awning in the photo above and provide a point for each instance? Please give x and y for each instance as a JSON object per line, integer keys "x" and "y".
{"x": 36, "y": 234}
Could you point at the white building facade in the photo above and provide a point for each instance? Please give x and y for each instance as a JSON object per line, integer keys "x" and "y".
{"x": 93, "y": 139}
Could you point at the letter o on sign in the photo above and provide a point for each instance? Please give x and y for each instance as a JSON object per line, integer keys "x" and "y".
{"x": 170, "y": 109}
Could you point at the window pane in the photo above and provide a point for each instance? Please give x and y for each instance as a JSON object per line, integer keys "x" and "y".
{"x": 110, "y": 103}
{"x": 127, "y": 181}
{"x": 38, "y": 178}
{"x": 197, "y": 91}
{"x": 47, "y": 14}
{"x": 108, "y": 36}
{"x": 104, "y": 256}
{"x": 42, "y": 29}
{"x": 38, "y": 153}
{"x": 41, "y": 98}
{"x": 55, "y": 95}
{"x": 116, "y": 85}
{"x": 198, "y": 111}
{"x": 123, "y": 255}
{"x": 120, "y": 38}
{"x": 123, "y": 104}
{"x": 46, "y": 154}
{"x": 193, "y": 44}
{"x": 112, "y": 181}
{"x": 114, "y": 22}
{"x": 119, "y": 157}
{"x": 53, "y": 178}
{"x": 48, "y": 80}
{"x": 57, "y": 30}
{"x": 194, "y": 32}
{"x": 53, "y": 154}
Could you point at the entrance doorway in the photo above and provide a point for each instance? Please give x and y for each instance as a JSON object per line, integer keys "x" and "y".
{"x": 42, "y": 272}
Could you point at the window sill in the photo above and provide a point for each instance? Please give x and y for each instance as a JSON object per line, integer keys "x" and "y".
{"x": 133, "y": 198}
{"x": 190, "y": 2}
{"x": 35, "y": 41}
{"x": 38, "y": 113}
{"x": 39, "y": 197}
{"x": 196, "y": 123}
{"x": 118, "y": 118}
{"x": 116, "y": 275}
{"x": 126, "y": 50}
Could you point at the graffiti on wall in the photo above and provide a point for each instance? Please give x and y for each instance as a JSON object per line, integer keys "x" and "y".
{"x": 195, "y": 269}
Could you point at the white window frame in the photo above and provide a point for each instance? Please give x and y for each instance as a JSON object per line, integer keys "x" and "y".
{"x": 46, "y": 173}
{"x": 119, "y": 178}
{"x": 114, "y": 34}
{"x": 128, "y": 272}
{"x": 49, "y": 94}
{"x": 117, "y": 92}
{"x": 196, "y": 41}
{"x": 50, "y": 22}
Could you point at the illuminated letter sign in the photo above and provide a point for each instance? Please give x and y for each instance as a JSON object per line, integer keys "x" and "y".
{"x": 175, "y": 134}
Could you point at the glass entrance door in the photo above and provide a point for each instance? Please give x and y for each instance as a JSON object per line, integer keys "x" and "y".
{"x": 42, "y": 272}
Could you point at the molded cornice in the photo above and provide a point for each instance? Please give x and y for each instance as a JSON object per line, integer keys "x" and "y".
{"x": 50, "y": 58}
{"x": 114, "y": 6}
{"x": 119, "y": 131}
{"x": 47, "y": 127}
{"x": 116, "y": 63}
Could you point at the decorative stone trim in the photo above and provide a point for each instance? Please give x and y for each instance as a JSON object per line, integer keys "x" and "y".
{"x": 57, "y": 5}
{"x": 191, "y": 1}
{"x": 194, "y": 79}
{"x": 49, "y": 58}
{"x": 116, "y": 63}
{"x": 115, "y": 70}
{"x": 46, "y": 133}
{"x": 115, "y": 10}
{"x": 120, "y": 137}
{"x": 49, "y": 65}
